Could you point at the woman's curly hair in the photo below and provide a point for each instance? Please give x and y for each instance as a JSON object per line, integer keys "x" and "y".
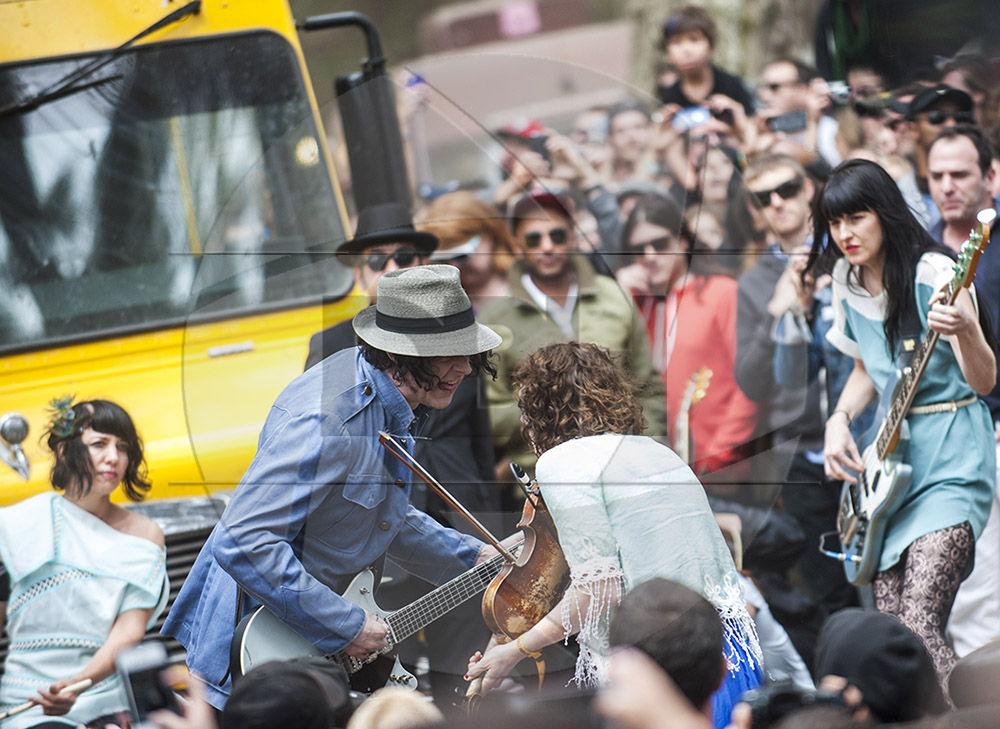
{"x": 572, "y": 390}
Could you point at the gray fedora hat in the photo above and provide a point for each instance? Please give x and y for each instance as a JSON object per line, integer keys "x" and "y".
{"x": 387, "y": 223}
{"x": 424, "y": 312}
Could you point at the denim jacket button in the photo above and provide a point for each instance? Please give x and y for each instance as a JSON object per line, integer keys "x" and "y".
{"x": 400, "y": 482}
{"x": 368, "y": 389}
{"x": 384, "y": 526}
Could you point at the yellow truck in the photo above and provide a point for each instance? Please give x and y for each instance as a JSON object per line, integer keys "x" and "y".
{"x": 168, "y": 215}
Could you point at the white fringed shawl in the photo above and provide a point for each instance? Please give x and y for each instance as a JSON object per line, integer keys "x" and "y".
{"x": 629, "y": 509}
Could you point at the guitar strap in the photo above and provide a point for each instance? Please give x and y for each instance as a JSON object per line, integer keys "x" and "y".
{"x": 910, "y": 336}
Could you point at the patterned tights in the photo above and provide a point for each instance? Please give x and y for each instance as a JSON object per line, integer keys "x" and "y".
{"x": 920, "y": 589}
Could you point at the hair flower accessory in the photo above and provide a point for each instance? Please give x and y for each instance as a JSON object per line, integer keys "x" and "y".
{"x": 63, "y": 416}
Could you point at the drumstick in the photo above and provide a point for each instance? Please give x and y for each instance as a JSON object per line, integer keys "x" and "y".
{"x": 72, "y": 688}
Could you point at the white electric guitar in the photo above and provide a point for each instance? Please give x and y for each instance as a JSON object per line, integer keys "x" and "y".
{"x": 866, "y": 506}
{"x": 261, "y": 636}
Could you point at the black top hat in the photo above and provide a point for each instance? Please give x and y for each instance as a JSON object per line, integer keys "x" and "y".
{"x": 387, "y": 223}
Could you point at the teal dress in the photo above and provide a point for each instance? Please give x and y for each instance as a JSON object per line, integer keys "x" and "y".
{"x": 952, "y": 454}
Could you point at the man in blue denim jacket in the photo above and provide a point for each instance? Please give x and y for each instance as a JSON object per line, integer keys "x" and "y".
{"x": 322, "y": 499}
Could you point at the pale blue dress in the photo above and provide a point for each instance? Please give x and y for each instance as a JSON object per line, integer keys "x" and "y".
{"x": 629, "y": 509}
{"x": 953, "y": 454}
{"x": 71, "y": 576}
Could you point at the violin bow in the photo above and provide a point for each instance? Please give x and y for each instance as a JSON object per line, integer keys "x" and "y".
{"x": 396, "y": 449}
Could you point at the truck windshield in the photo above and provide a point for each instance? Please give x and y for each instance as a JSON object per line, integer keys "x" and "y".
{"x": 187, "y": 185}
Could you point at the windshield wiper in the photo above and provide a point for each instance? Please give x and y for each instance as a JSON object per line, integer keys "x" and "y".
{"x": 71, "y": 84}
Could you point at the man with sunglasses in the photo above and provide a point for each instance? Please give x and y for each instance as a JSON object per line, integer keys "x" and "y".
{"x": 929, "y": 112}
{"x": 384, "y": 240}
{"x": 556, "y": 296}
{"x": 795, "y": 100}
{"x": 777, "y": 315}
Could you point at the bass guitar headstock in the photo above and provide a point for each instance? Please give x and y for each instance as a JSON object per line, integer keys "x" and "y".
{"x": 972, "y": 249}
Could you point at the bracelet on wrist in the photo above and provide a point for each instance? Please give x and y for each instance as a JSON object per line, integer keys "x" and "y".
{"x": 846, "y": 414}
{"x": 524, "y": 652}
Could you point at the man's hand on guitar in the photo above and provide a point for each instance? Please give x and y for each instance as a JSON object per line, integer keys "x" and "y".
{"x": 374, "y": 636}
{"x": 840, "y": 452}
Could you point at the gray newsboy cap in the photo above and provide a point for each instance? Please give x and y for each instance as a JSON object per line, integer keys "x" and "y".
{"x": 424, "y": 312}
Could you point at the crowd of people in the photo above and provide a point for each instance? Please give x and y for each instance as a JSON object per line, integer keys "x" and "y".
{"x": 679, "y": 319}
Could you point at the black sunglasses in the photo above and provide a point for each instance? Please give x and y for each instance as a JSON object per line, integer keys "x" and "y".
{"x": 657, "y": 244}
{"x": 558, "y": 236}
{"x": 404, "y": 258}
{"x": 786, "y": 191}
{"x": 940, "y": 116}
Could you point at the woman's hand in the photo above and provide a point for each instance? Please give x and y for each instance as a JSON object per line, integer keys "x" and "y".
{"x": 494, "y": 666}
{"x": 634, "y": 279}
{"x": 839, "y": 449}
{"x": 54, "y": 703}
{"x": 374, "y": 636}
{"x": 949, "y": 320}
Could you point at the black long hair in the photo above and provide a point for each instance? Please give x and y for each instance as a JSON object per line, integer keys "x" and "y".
{"x": 401, "y": 366}
{"x": 859, "y": 185}
{"x": 663, "y": 212}
{"x": 72, "y": 468}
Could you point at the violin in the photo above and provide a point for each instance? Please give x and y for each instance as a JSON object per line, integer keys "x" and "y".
{"x": 528, "y": 589}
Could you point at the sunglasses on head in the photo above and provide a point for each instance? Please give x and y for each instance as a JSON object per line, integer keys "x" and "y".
{"x": 404, "y": 258}
{"x": 657, "y": 244}
{"x": 940, "y": 116}
{"x": 786, "y": 191}
{"x": 558, "y": 236}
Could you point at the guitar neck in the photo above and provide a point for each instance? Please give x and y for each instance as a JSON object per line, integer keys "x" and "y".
{"x": 912, "y": 374}
{"x": 421, "y": 612}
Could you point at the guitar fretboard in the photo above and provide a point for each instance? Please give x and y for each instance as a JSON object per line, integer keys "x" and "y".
{"x": 409, "y": 619}
{"x": 907, "y": 387}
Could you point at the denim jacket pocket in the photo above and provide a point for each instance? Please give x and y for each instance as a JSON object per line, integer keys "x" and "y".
{"x": 366, "y": 489}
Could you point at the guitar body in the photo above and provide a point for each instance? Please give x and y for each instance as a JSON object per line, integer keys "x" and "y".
{"x": 865, "y": 507}
{"x": 262, "y": 637}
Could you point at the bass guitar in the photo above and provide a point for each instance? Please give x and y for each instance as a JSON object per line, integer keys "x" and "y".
{"x": 261, "y": 636}
{"x": 865, "y": 507}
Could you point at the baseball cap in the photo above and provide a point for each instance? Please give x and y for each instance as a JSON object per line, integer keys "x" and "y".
{"x": 936, "y": 94}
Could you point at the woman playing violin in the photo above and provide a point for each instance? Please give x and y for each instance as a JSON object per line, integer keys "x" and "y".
{"x": 626, "y": 508}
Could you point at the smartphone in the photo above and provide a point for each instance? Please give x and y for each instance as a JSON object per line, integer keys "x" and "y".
{"x": 537, "y": 145}
{"x": 691, "y": 117}
{"x": 793, "y": 121}
{"x": 142, "y": 669}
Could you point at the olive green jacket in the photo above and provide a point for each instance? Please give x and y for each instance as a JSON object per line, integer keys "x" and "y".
{"x": 604, "y": 315}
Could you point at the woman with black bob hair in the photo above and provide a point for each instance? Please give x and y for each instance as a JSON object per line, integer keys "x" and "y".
{"x": 87, "y": 576}
{"x": 887, "y": 278}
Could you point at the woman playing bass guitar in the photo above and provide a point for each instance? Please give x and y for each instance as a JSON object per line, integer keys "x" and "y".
{"x": 887, "y": 271}
{"x": 626, "y": 509}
